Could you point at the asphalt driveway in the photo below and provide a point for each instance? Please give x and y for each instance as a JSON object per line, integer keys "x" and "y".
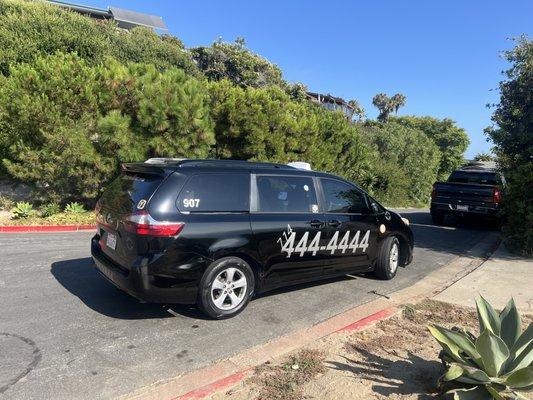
{"x": 66, "y": 333}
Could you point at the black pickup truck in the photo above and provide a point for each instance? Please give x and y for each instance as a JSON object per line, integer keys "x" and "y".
{"x": 470, "y": 191}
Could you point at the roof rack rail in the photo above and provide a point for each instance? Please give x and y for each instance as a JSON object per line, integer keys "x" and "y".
{"x": 231, "y": 163}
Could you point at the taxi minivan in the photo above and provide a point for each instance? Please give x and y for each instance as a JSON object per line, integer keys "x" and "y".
{"x": 216, "y": 232}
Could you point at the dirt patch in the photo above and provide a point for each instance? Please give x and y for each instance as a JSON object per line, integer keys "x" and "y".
{"x": 395, "y": 359}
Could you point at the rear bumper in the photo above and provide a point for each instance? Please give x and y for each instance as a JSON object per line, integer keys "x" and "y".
{"x": 446, "y": 208}
{"x": 138, "y": 283}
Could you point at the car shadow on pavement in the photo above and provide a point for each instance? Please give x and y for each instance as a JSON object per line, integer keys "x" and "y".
{"x": 455, "y": 236}
{"x": 410, "y": 375}
{"x": 81, "y": 279}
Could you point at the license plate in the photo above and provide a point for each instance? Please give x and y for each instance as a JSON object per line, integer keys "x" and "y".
{"x": 462, "y": 208}
{"x": 111, "y": 241}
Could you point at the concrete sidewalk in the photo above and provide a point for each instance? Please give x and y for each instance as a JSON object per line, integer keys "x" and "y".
{"x": 499, "y": 278}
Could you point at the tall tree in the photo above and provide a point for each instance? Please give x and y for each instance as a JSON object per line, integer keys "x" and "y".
{"x": 358, "y": 111}
{"x": 398, "y": 100}
{"x": 386, "y": 104}
{"x": 512, "y": 135}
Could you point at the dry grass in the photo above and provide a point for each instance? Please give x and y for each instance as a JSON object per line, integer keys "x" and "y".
{"x": 283, "y": 382}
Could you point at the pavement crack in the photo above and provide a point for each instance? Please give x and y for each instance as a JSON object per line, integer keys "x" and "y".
{"x": 36, "y": 358}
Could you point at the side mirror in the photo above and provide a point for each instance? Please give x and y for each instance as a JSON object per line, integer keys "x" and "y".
{"x": 375, "y": 208}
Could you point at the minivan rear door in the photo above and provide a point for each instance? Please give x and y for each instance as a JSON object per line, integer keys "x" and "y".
{"x": 288, "y": 227}
{"x": 130, "y": 192}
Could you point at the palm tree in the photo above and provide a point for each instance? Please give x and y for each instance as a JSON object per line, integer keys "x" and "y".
{"x": 398, "y": 100}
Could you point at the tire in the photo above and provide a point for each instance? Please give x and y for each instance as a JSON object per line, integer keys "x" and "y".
{"x": 219, "y": 299}
{"x": 438, "y": 218}
{"x": 387, "y": 264}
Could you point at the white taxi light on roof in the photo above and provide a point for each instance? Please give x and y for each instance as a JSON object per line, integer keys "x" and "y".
{"x": 300, "y": 165}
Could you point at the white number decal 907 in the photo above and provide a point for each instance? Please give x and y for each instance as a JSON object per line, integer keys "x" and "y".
{"x": 191, "y": 203}
{"x": 289, "y": 245}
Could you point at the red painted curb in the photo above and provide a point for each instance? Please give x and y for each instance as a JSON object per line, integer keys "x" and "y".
{"x": 231, "y": 380}
{"x": 213, "y": 387}
{"x": 371, "y": 319}
{"x": 45, "y": 228}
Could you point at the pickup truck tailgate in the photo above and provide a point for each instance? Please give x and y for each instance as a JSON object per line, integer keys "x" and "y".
{"x": 464, "y": 193}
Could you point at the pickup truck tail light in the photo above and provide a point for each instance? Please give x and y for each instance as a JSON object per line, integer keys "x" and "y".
{"x": 143, "y": 224}
{"x": 497, "y": 196}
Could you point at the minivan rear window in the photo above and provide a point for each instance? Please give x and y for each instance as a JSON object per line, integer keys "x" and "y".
{"x": 480, "y": 178}
{"x": 126, "y": 191}
{"x": 229, "y": 192}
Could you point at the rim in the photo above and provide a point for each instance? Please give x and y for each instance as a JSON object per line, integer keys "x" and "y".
{"x": 393, "y": 258}
{"x": 228, "y": 289}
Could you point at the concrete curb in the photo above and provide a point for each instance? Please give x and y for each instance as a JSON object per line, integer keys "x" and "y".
{"x": 45, "y": 228}
{"x": 227, "y": 373}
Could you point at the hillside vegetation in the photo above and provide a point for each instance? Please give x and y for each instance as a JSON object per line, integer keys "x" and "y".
{"x": 78, "y": 97}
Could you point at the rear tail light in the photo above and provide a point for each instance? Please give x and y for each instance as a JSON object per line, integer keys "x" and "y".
{"x": 497, "y": 196}
{"x": 141, "y": 223}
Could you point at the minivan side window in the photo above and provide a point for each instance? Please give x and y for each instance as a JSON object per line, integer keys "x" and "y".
{"x": 216, "y": 193}
{"x": 286, "y": 194}
{"x": 341, "y": 198}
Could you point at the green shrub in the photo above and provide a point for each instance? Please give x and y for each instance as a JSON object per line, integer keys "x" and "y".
{"x": 74, "y": 208}
{"x": 235, "y": 62}
{"x": 50, "y": 209}
{"x": 496, "y": 364}
{"x": 6, "y": 203}
{"x": 415, "y": 155}
{"x": 67, "y": 125}
{"x": 266, "y": 125}
{"x": 22, "y": 210}
{"x": 451, "y": 140}
{"x": 33, "y": 29}
{"x": 518, "y": 210}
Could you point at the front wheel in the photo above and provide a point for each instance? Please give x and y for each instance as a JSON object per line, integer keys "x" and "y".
{"x": 226, "y": 288}
{"x": 388, "y": 259}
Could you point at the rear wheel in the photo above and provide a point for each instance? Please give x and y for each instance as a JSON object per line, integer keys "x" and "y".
{"x": 388, "y": 259}
{"x": 226, "y": 288}
{"x": 437, "y": 217}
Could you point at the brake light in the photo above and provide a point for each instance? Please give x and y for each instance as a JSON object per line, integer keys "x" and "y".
{"x": 433, "y": 193}
{"x": 141, "y": 223}
{"x": 497, "y": 196}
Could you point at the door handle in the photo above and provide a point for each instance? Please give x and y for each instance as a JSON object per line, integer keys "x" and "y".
{"x": 316, "y": 223}
{"x": 334, "y": 223}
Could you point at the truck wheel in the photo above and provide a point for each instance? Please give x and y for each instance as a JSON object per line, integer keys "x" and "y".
{"x": 388, "y": 259}
{"x": 226, "y": 288}
{"x": 438, "y": 218}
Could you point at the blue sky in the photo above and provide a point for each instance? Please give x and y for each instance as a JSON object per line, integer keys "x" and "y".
{"x": 443, "y": 55}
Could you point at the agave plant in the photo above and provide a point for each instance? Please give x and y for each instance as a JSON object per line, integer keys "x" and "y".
{"x": 22, "y": 210}
{"x": 495, "y": 365}
{"x": 74, "y": 208}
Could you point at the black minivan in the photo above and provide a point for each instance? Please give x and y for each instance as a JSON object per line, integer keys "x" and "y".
{"x": 216, "y": 232}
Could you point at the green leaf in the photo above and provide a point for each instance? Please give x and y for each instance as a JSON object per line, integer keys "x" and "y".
{"x": 523, "y": 341}
{"x": 451, "y": 348}
{"x": 493, "y": 352}
{"x": 524, "y": 359}
{"x": 454, "y": 372}
{"x": 475, "y": 375}
{"x": 494, "y": 393}
{"x": 462, "y": 342}
{"x": 476, "y": 393}
{"x": 488, "y": 319}
{"x": 520, "y": 378}
{"x": 511, "y": 325}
